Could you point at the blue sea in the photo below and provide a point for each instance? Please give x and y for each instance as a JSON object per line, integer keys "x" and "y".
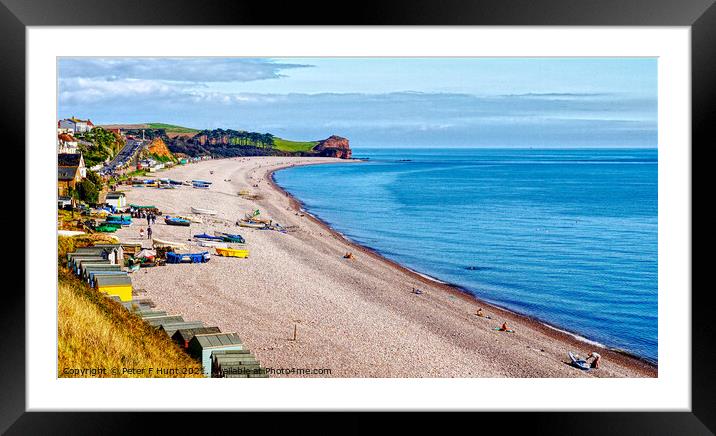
{"x": 568, "y": 237}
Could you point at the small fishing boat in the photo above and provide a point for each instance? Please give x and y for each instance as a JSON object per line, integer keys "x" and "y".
{"x": 215, "y": 244}
{"x": 251, "y": 224}
{"x": 201, "y": 182}
{"x": 164, "y": 243}
{"x": 202, "y": 257}
{"x": 228, "y": 237}
{"x": 194, "y": 219}
{"x": 203, "y": 211}
{"x": 175, "y": 182}
{"x": 232, "y": 252}
{"x": 209, "y": 237}
{"x": 197, "y": 186}
{"x": 175, "y": 221}
{"x": 123, "y": 220}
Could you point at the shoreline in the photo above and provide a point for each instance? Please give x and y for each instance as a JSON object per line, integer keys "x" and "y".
{"x": 355, "y": 316}
{"x": 454, "y": 289}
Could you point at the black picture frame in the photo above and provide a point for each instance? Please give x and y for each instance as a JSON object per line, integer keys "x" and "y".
{"x": 16, "y": 15}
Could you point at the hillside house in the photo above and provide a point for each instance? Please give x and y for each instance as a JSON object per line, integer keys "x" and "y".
{"x": 72, "y": 160}
{"x": 70, "y": 170}
{"x": 76, "y": 125}
{"x": 66, "y": 143}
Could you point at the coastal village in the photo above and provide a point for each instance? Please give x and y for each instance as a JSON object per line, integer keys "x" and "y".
{"x": 217, "y": 267}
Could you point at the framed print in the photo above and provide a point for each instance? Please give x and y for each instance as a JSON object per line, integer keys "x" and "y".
{"x": 427, "y": 207}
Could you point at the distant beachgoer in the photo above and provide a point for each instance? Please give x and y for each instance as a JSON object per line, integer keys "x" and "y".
{"x": 596, "y": 356}
{"x": 149, "y": 233}
{"x": 149, "y": 219}
{"x": 479, "y": 312}
{"x": 141, "y": 233}
{"x": 504, "y": 327}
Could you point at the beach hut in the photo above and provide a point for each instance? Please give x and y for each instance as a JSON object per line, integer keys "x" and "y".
{"x": 94, "y": 274}
{"x": 120, "y": 285}
{"x": 87, "y": 268}
{"x": 150, "y": 313}
{"x": 114, "y": 252}
{"x": 235, "y": 364}
{"x": 156, "y": 321}
{"x": 137, "y": 306}
{"x": 76, "y": 262}
{"x": 183, "y": 335}
{"x": 171, "y": 328}
{"x": 116, "y": 199}
{"x": 201, "y": 346}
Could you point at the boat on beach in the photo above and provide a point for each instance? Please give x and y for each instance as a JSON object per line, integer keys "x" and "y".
{"x": 250, "y": 224}
{"x": 232, "y": 252}
{"x": 176, "y": 221}
{"x": 229, "y": 237}
{"x": 194, "y": 219}
{"x": 203, "y": 211}
{"x": 164, "y": 243}
{"x": 215, "y": 244}
{"x": 209, "y": 237}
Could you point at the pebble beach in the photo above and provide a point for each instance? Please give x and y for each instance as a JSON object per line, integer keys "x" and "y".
{"x": 351, "y": 317}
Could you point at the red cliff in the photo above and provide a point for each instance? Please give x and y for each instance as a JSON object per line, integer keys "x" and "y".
{"x": 334, "y": 146}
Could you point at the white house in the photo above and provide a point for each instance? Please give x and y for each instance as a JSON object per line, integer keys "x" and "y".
{"x": 76, "y": 125}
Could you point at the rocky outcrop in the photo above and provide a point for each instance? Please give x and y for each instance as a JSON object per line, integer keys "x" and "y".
{"x": 158, "y": 148}
{"x": 334, "y": 146}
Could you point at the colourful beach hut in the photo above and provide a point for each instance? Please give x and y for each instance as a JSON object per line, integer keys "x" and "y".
{"x": 201, "y": 346}
{"x": 119, "y": 285}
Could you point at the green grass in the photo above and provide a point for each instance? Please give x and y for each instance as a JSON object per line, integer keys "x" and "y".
{"x": 171, "y": 128}
{"x": 293, "y": 146}
{"x": 96, "y": 332}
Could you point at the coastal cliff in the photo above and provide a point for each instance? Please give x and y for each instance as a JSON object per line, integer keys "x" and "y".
{"x": 171, "y": 139}
{"x": 334, "y": 146}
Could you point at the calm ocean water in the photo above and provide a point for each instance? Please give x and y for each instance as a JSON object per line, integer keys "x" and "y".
{"x": 566, "y": 236}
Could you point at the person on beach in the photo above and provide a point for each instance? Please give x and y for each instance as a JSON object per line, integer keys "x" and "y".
{"x": 596, "y": 356}
{"x": 504, "y": 327}
{"x": 149, "y": 219}
{"x": 149, "y": 233}
{"x": 479, "y": 312}
{"x": 141, "y": 233}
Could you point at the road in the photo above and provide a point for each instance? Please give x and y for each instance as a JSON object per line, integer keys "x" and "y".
{"x": 125, "y": 155}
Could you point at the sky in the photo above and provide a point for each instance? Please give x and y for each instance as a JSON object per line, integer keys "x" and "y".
{"x": 378, "y": 102}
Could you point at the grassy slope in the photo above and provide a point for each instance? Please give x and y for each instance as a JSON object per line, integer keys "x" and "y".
{"x": 170, "y": 128}
{"x": 96, "y": 332}
{"x": 285, "y": 145}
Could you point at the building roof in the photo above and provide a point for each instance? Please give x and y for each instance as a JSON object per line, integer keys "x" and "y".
{"x": 187, "y": 334}
{"x": 66, "y": 173}
{"x": 212, "y": 340}
{"x": 69, "y": 159}
{"x": 114, "y": 280}
{"x": 65, "y": 137}
{"x": 115, "y": 194}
